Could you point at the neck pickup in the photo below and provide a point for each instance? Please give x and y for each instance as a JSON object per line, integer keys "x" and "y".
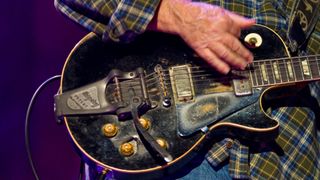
{"x": 181, "y": 82}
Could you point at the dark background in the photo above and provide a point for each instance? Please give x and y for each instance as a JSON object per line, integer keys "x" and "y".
{"x": 35, "y": 41}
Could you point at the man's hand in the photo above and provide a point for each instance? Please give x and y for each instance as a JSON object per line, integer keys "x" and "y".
{"x": 210, "y": 30}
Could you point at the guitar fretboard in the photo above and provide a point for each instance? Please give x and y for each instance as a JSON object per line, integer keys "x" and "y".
{"x": 284, "y": 70}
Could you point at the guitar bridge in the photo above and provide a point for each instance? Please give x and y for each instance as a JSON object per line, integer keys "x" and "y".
{"x": 181, "y": 82}
{"x": 241, "y": 84}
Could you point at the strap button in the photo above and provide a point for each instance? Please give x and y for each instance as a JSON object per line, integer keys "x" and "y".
{"x": 229, "y": 144}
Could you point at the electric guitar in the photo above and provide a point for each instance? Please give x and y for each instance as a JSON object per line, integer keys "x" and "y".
{"x": 144, "y": 106}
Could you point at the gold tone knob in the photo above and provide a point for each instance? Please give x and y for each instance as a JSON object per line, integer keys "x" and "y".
{"x": 253, "y": 41}
{"x": 126, "y": 149}
{"x": 163, "y": 143}
{"x": 145, "y": 123}
{"x": 110, "y": 130}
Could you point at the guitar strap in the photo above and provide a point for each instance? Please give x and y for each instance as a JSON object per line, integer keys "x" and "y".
{"x": 303, "y": 18}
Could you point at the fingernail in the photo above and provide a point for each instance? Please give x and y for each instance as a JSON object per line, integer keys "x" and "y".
{"x": 225, "y": 70}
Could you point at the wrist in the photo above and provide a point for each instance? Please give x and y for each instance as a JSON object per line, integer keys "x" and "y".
{"x": 165, "y": 18}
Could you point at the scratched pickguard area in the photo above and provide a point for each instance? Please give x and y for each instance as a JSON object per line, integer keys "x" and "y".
{"x": 209, "y": 109}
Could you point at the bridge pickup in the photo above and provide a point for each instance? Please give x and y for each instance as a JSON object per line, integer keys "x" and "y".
{"x": 181, "y": 82}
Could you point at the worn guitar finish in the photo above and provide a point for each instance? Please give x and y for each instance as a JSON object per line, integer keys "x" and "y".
{"x": 179, "y": 95}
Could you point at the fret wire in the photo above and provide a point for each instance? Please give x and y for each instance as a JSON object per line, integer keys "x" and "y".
{"x": 259, "y": 76}
{"x": 282, "y": 71}
{"x": 272, "y": 72}
{"x": 267, "y": 74}
{"x": 308, "y": 66}
{"x": 286, "y": 70}
{"x": 289, "y": 70}
{"x": 258, "y": 73}
{"x": 317, "y": 62}
{"x": 255, "y": 74}
{"x": 313, "y": 67}
{"x": 293, "y": 70}
{"x": 264, "y": 73}
{"x": 297, "y": 70}
{"x": 308, "y": 60}
{"x": 279, "y": 71}
{"x": 301, "y": 68}
{"x": 252, "y": 84}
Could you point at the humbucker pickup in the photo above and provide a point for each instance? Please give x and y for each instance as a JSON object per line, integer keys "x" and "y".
{"x": 181, "y": 82}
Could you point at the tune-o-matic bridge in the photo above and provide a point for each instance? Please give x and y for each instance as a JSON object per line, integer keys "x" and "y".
{"x": 181, "y": 82}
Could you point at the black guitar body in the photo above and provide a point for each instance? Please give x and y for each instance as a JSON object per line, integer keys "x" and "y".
{"x": 181, "y": 122}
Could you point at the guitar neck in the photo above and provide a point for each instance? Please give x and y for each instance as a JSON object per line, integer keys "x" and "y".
{"x": 284, "y": 70}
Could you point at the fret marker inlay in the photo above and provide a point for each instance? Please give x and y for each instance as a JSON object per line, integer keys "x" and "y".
{"x": 276, "y": 71}
{"x": 290, "y": 71}
{"x": 264, "y": 73}
{"x": 305, "y": 67}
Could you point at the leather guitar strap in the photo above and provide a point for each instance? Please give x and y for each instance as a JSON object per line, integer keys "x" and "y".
{"x": 303, "y": 18}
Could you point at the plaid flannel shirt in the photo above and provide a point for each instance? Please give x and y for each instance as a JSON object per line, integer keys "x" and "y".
{"x": 295, "y": 154}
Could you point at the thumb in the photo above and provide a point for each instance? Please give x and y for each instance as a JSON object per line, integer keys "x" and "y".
{"x": 242, "y": 22}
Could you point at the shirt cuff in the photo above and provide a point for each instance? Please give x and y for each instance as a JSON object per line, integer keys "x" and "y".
{"x": 130, "y": 19}
{"x": 237, "y": 153}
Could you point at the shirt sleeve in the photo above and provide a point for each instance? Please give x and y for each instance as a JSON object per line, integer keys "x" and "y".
{"x": 117, "y": 20}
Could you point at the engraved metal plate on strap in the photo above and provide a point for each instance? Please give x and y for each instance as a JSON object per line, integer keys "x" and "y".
{"x": 181, "y": 82}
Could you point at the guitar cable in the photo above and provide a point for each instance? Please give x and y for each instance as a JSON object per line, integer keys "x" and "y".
{"x": 26, "y": 130}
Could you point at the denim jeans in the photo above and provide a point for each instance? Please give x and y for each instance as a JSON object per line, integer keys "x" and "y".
{"x": 196, "y": 169}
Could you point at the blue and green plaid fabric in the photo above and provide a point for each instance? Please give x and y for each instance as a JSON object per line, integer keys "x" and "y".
{"x": 115, "y": 20}
{"x": 295, "y": 154}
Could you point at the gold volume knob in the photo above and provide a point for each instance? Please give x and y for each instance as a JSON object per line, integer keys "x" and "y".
{"x": 163, "y": 143}
{"x": 110, "y": 130}
{"x": 145, "y": 123}
{"x": 126, "y": 149}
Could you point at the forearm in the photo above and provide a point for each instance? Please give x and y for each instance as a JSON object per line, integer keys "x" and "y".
{"x": 87, "y": 13}
{"x": 210, "y": 30}
{"x": 115, "y": 20}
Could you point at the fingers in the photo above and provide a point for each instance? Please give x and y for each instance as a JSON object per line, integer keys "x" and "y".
{"x": 241, "y": 21}
{"x": 226, "y": 52}
{"x": 229, "y": 56}
{"x": 234, "y": 23}
{"x": 212, "y": 32}
{"x": 236, "y": 46}
{"x": 235, "y": 29}
{"x": 213, "y": 60}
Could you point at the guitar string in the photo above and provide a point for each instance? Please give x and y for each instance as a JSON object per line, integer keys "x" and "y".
{"x": 245, "y": 72}
{"x": 258, "y": 63}
{"x": 198, "y": 82}
{"x": 257, "y": 67}
{"x": 207, "y": 83}
{"x": 221, "y": 80}
{"x": 166, "y": 77}
{"x": 269, "y": 60}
